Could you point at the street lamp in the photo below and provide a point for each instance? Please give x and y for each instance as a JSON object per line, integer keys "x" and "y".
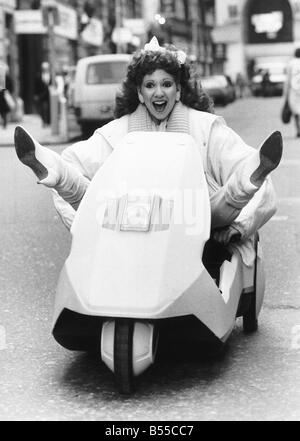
{"x": 160, "y": 19}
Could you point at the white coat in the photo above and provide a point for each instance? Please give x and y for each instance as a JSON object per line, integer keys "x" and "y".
{"x": 222, "y": 151}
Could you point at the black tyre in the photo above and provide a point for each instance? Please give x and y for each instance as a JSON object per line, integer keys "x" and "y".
{"x": 250, "y": 323}
{"x": 123, "y": 355}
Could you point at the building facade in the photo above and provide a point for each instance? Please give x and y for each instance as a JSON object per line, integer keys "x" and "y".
{"x": 250, "y": 31}
{"x": 80, "y": 28}
{"x": 8, "y": 44}
{"x": 188, "y": 25}
{"x": 88, "y": 27}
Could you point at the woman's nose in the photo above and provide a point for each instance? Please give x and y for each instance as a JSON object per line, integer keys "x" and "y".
{"x": 158, "y": 91}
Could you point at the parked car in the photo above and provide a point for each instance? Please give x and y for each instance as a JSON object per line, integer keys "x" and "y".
{"x": 269, "y": 79}
{"x": 220, "y": 88}
{"x": 97, "y": 80}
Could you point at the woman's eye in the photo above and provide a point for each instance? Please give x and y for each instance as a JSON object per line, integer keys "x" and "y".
{"x": 168, "y": 84}
{"x": 149, "y": 85}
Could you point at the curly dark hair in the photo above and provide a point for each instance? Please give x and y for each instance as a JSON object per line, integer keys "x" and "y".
{"x": 146, "y": 62}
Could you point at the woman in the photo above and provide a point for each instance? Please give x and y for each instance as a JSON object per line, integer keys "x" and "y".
{"x": 158, "y": 94}
{"x": 292, "y": 88}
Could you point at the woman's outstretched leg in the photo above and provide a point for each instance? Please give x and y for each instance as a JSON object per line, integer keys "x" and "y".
{"x": 50, "y": 169}
{"x": 228, "y": 201}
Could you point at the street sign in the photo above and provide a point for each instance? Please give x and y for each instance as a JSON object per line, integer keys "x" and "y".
{"x": 68, "y": 24}
{"x": 29, "y": 21}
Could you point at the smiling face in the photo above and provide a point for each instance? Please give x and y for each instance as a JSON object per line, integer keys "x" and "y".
{"x": 159, "y": 92}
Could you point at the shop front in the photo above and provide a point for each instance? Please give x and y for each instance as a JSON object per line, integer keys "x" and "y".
{"x": 256, "y": 32}
{"x": 269, "y": 28}
{"x": 8, "y": 47}
{"x": 35, "y": 40}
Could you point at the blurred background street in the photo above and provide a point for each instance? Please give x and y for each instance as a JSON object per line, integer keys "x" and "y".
{"x": 237, "y": 48}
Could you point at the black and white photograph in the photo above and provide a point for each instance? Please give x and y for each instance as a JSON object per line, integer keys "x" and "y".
{"x": 150, "y": 213}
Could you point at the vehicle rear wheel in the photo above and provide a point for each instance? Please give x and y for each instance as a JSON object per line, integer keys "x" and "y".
{"x": 123, "y": 355}
{"x": 250, "y": 323}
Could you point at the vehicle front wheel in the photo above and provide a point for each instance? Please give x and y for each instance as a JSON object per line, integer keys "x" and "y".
{"x": 123, "y": 343}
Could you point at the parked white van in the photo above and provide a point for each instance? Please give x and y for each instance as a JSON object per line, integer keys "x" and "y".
{"x": 97, "y": 80}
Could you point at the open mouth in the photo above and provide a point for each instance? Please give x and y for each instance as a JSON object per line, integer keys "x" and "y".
{"x": 159, "y": 106}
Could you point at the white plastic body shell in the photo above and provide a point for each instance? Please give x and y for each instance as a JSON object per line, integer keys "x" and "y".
{"x": 159, "y": 273}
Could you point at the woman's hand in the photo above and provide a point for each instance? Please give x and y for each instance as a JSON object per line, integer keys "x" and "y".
{"x": 227, "y": 235}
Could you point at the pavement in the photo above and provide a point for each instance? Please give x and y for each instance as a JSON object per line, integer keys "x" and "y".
{"x": 33, "y": 124}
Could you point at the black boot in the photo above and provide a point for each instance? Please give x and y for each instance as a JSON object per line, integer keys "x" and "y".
{"x": 270, "y": 154}
{"x": 26, "y": 151}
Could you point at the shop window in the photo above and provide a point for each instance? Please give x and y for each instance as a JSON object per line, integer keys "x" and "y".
{"x": 232, "y": 11}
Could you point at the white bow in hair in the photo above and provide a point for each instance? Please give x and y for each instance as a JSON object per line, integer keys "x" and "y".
{"x": 153, "y": 45}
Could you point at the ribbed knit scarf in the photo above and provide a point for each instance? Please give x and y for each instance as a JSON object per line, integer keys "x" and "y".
{"x": 140, "y": 120}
